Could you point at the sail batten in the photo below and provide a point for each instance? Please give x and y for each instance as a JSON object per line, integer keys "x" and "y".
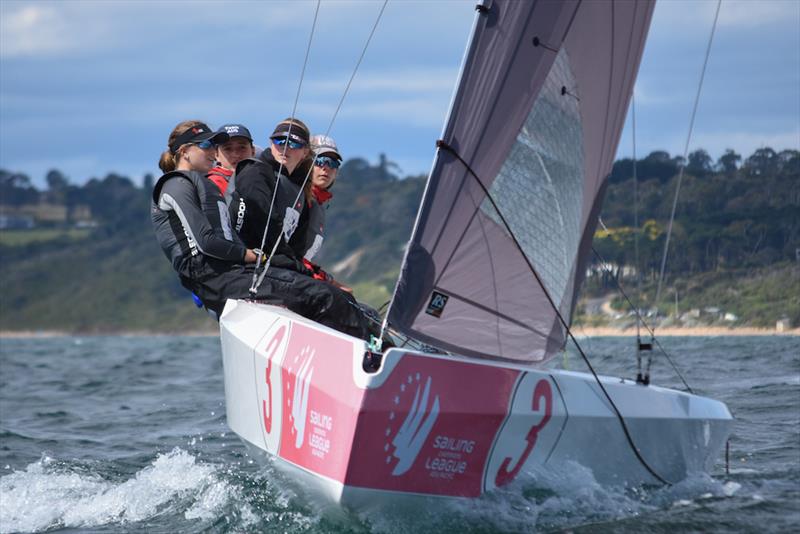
{"x": 505, "y": 222}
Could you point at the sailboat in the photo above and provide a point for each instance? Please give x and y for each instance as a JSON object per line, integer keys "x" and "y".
{"x": 490, "y": 278}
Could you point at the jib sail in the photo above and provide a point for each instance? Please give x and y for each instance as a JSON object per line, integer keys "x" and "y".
{"x": 513, "y": 197}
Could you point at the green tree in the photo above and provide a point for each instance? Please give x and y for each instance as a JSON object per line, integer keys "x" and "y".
{"x": 764, "y": 161}
{"x": 16, "y": 189}
{"x": 700, "y": 163}
{"x": 57, "y": 185}
{"x": 728, "y": 163}
{"x": 789, "y": 162}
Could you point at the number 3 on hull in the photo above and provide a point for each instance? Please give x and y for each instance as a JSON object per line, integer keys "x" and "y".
{"x": 531, "y": 431}
{"x": 268, "y": 362}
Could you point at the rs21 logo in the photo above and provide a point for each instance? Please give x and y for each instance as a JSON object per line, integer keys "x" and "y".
{"x": 437, "y": 304}
{"x": 542, "y": 393}
{"x": 272, "y": 346}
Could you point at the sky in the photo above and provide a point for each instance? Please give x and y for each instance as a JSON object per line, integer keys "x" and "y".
{"x": 94, "y": 87}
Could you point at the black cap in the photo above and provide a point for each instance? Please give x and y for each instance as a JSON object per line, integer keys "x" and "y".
{"x": 236, "y": 130}
{"x": 291, "y": 130}
{"x": 198, "y": 134}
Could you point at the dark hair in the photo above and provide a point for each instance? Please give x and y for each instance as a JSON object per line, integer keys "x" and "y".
{"x": 296, "y": 123}
{"x": 167, "y": 162}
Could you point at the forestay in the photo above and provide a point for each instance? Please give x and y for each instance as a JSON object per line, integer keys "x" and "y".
{"x": 517, "y": 183}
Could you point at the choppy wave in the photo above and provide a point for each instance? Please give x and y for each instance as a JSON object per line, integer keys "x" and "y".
{"x": 176, "y": 488}
{"x": 48, "y": 495}
{"x": 146, "y": 448}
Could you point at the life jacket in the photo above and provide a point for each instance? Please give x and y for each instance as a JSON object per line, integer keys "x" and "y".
{"x": 220, "y": 176}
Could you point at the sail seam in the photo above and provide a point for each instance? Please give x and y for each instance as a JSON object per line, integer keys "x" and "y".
{"x": 490, "y": 198}
{"x": 490, "y": 310}
{"x": 490, "y": 257}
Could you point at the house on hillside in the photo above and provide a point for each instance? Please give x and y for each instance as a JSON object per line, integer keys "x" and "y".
{"x": 16, "y": 222}
{"x": 28, "y": 216}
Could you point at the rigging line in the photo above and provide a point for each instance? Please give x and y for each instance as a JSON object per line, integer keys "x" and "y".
{"x": 260, "y": 254}
{"x": 685, "y": 153}
{"x": 561, "y": 319}
{"x": 643, "y": 322}
{"x": 358, "y": 64}
{"x": 636, "y": 216}
{"x": 258, "y": 280}
{"x": 644, "y": 379}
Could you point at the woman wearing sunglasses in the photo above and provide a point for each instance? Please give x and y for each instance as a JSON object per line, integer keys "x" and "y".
{"x": 281, "y": 170}
{"x": 326, "y": 167}
{"x": 193, "y": 228}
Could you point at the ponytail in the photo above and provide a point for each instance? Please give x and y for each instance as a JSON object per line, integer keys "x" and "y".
{"x": 167, "y": 162}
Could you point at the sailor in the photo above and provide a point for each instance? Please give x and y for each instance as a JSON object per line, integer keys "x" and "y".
{"x": 239, "y": 146}
{"x": 326, "y": 167}
{"x": 282, "y": 169}
{"x": 192, "y": 226}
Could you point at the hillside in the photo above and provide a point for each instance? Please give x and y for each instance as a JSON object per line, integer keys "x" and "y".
{"x": 95, "y": 267}
{"x": 114, "y": 277}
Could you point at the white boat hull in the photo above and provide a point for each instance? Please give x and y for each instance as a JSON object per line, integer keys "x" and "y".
{"x": 438, "y": 425}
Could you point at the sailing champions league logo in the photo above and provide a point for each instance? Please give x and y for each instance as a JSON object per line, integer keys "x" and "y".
{"x": 437, "y": 304}
{"x": 297, "y": 400}
{"x": 409, "y": 438}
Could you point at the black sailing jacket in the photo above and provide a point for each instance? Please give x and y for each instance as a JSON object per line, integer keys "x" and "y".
{"x": 251, "y": 190}
{"x": 191, "y": 223}
{"x": 192, "y": 226}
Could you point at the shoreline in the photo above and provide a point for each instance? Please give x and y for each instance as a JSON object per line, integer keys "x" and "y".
{"x": 42, "y": 334}
{"x": 692, "y": 331}
{"x": 579, "y": 331}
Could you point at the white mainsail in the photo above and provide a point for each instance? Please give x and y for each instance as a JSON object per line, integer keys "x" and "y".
{"x": 511, "y": 204}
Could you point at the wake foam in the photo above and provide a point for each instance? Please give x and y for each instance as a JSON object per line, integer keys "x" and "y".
{"x": 546, "y": 499}
{"x": 47, "y": 495}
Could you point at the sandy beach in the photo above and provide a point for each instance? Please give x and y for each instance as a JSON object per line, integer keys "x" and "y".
{"x": 695, "y": 331}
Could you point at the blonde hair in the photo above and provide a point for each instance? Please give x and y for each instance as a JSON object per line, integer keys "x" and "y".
{"x": 168, "y": 161}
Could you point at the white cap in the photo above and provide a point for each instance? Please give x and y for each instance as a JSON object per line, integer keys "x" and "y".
{"x": 323, "y": 144}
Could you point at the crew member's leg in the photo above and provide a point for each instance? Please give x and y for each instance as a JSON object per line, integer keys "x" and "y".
{"x": 313, "y": 299}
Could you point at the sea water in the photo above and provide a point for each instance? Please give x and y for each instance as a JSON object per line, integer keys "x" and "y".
{"x": 128, "y": 434}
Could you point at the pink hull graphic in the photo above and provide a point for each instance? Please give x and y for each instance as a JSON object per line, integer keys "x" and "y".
{"x": 437, "y": 425}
